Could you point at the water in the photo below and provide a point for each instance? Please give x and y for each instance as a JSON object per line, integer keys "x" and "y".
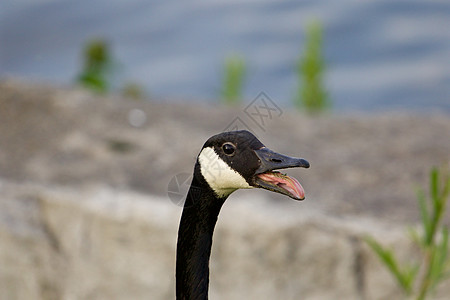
{"x": 381, "y": 54}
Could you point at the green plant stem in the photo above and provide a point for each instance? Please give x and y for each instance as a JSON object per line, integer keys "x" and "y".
{"x": 426, "y": 281}
{"x": 438, "y": 203}
{"x": 439, "y": 200}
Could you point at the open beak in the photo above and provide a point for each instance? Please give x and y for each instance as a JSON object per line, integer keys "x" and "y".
{"x": 266, "y": 178}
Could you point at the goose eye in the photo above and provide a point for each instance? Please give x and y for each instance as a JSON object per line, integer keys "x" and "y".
{"x": 228, "y": 148}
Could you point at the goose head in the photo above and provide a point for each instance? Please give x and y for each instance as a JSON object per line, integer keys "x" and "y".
{"x": 238, "y": 160}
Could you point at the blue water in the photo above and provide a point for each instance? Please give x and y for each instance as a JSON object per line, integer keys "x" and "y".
{"x": 380, "y": 55}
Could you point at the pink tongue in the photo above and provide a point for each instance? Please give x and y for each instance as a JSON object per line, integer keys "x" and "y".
{"x": 288, "y": 183}
{"x": 294, "y": 187}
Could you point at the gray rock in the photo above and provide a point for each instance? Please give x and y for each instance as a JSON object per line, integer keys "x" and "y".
{"x": 84, "y": 212}
{"x": 114, "y": 244}
{"x": 361, "y": 164}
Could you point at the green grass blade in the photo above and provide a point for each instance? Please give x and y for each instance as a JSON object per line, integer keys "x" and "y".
{"x": 434, "y": 186}
{"x": 438, "y": 200}
{"x": 424, "y": 214}
{"x": 410, "y": 275}
{"x": 405, "y": 279}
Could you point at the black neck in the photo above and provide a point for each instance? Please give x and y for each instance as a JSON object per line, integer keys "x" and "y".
{"x": 195, "y": 234}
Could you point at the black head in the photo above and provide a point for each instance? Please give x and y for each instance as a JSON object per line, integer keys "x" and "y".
{"x": 237, "y": 159}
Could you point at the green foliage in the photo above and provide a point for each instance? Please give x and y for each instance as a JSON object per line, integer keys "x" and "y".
{"x": 404, "y": 275}
{"x": 97, "y": 65}
{"x": 233, "y": 80}
{"x": 311, "y": 94}
{"x": 435, "y": 262}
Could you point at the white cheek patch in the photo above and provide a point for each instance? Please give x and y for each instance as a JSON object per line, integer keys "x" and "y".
{"x": 219, "y": 175}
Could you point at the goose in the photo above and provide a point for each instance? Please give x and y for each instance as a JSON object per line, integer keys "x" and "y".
{"x": 227, "y": 161}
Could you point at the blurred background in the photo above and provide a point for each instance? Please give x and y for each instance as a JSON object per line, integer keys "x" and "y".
{"x": 104, "y": 106}
{"x": 380, "y": 55}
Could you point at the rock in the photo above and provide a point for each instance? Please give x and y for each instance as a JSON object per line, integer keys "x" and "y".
{"x": 360, "y": 164}
{"x": 60, "y": 243}
{"x": 84, "y": 212}
{"x": 97, "y": 244}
